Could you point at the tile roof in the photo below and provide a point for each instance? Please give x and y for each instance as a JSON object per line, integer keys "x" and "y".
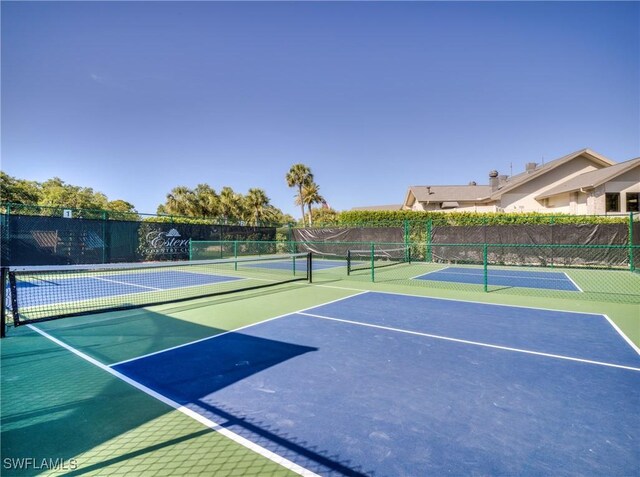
{"x": 593, "y": 178}
{"x": 519, "y": 179}
{"x": 450, "y": 193}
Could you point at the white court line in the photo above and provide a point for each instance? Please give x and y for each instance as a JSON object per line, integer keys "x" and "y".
{"x": 476, "y": 272}
{"x": 625, "y": 337}
{"x": 272, "y": 456}
{"x": 231, "y": 331}
{"x": 574, "y": 283}
{"x": 620, "y": 332}
{"x": 89, "y": 299}
{"x": 126, "y": 283}
{"x": 459, "y": 300}
{"x": 428, "y": 273}
{"x": 474, "y": 343}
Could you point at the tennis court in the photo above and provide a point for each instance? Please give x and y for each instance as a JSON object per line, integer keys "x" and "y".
{"x": 321, "y": 378}
{"x": 507, "y": 278}
{"x": 387, "y": 384}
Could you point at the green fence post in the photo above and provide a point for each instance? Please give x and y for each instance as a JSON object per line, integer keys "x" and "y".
{"x": 407, "y": 238}
{"x": 235, "y": 255}
{"x": 429, "y": 253}
{"x": 8, "y": 244}
{"x": 551, "y": 223}
{"x": 484, "y": 260}
{"x": 632, "y": 266}
{"x": 190, "y": 250}
{"x": 373, "y": 274}
{"x": 104, "y": 236}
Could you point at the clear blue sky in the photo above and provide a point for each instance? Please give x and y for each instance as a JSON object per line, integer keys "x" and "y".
{"x": 134, "y": 99}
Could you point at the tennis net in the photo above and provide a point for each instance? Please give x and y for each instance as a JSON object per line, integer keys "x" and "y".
{"x": 36, "y": 293}
{"x": 377, "y": 257}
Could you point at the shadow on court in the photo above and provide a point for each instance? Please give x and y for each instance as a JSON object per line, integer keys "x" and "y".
{"x": 57, "y": 406}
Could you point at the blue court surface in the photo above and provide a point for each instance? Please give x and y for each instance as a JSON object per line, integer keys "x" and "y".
{"x": 506, "y": 278}
{"x": 56, "y": 290}
{"x": 396, "y": 385}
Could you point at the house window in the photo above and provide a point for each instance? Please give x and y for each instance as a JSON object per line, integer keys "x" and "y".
{"x": 633, "y": 202}
{"x": 613, "y": 202}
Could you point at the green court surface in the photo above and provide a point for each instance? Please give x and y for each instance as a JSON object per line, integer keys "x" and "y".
{"x": 63, "y": 413}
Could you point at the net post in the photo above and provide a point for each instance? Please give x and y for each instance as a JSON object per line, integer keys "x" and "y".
{"x": 3, "y": 305}
{"x": 373, "y": 273}
{"x": 348, "y": 262}
{"x": 14, "y": 299}
{"x": 309, "y": 267}
{"x": 484, "y": 260}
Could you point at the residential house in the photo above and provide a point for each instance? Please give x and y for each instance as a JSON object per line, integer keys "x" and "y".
{"x": 582, "y": 183}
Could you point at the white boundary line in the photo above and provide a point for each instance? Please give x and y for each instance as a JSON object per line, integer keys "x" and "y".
{"x": 428, "y": 273}
{"x": 126, "y": 283}
{"x": 134, "y": 293}
{"x": 479, "y": 270}
{"x": 625, "y": 337}
{"x": 272, "y": 456}
{"x": 231, "y": 331}
{"x": 474, "y": 343}
{"x": 574, "y": 283}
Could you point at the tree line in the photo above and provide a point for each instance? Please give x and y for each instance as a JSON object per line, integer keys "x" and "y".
{"x": 55, "y": 192}
{"x": 228, "y": 206}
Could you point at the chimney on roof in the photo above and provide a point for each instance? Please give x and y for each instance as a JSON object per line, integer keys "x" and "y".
{"x": 493, "y": 180}
{"x": 428, "y": 190}
{"x": 472, "y": 183}
{"x": 530, "y": 167}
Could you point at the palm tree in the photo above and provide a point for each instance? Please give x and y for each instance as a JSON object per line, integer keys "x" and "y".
{"x": 230, "y": 205}
{"x": 298, "y": 176}
{"x": 257, "y": 202}
{"x": 311, "y": 195}
{"x": 180, "y": 201}
{"x": 207, "y": 201}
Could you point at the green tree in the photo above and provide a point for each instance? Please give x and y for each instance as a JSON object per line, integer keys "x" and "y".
{"x": 120, "y": 205}
{"x": 256, "y": 202}
{"x": 18, "y": 191}
{"x": 298, "y": 176}
{"x": 55, "y": 192}
{"x": 180, "y": 201}
{"x": 311, "y": 195}
{"x": 207, "y": 201}
{"x": 325, "y": 216}
{"x": 231, "y": 206}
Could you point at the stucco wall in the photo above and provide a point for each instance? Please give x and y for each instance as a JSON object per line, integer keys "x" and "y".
{"x": 522, "y": 198}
